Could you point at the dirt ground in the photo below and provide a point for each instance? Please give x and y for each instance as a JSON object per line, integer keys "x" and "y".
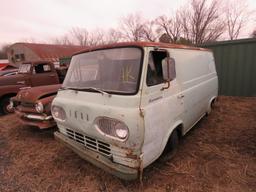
{"x": 218, "y": 154}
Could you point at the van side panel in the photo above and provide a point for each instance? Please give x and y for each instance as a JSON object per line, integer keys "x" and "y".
{"x": 184, "y": 102}
{"x": 195, "y": 71}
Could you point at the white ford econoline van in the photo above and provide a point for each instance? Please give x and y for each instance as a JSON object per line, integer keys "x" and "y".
{"x": 122, "y": 105}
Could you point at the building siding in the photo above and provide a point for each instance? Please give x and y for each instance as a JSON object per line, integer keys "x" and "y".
{"x": 236, "y": 66}
{"x": 21, "y": 49}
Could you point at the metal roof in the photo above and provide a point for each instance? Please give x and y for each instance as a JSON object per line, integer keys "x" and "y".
{"x": 48, "y": 51}
{"x": 229, "y": 42}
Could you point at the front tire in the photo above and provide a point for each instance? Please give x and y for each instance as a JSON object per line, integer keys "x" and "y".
{"x": 4, "y": 106}
{"x": 173, "y": 141}
{"x": 171, "y": 146}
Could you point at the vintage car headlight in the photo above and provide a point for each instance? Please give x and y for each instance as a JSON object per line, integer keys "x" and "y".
{"x": 58, "y": 113}
{"x": 11, "y": 104}
{"x": 112, "y": 127}
{"x": 39, "y": 107}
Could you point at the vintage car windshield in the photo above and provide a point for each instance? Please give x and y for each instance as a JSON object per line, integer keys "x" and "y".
{"x": 113, "y": 70}
{"x": 24, "y": 68}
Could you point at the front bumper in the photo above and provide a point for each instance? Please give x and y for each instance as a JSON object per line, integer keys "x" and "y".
{"x": 38, "y": 120}
{"x": 121, "y": 171}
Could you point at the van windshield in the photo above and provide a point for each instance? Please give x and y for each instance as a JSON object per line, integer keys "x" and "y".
{"x": 113, "y": 70}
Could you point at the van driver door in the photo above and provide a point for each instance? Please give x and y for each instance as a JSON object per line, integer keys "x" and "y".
{"x": 160, "y": 103}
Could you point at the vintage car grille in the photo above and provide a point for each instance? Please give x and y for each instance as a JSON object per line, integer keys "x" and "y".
{"x": 26, "y": 104}
{"x": 89, "y": 142}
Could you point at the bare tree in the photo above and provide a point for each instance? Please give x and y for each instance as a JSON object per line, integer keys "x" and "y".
{"x": 201, "y": 21}
{"x": 253, "y": 35}
{"x": 80, "y": 36}
{"x": 113, "y": 36}
{"x": 83, "y": 37}
{"x": 150, "y": 31}
{"x": 96, "y": 37}
{"x": 237, "y": 16}
{"x": 170, "y": 26}
{"x": 64, "y": 40}
{"x": 131, "y": 27}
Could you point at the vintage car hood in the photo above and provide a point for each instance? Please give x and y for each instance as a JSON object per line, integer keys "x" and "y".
{"x": 13, "y": 79}
{"x": 33, "y": 94}
{"x": 3, "y": 72}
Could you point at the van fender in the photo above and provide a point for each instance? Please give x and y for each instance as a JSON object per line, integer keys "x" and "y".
{"x": 170, "y": 130}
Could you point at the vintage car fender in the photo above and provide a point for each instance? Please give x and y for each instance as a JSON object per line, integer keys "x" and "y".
{"x": 9, "y": 90}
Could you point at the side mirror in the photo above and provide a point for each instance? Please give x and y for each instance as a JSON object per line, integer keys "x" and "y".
{"x": 168, "y": 67}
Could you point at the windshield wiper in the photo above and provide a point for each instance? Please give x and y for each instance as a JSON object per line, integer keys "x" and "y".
{"x": 98, "y": 90}
{"x": 86, "y": 88}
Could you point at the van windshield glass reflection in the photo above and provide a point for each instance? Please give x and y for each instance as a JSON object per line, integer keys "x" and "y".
{"x": 110, "y": 70}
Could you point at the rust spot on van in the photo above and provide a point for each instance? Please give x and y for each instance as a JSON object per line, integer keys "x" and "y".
{"x": 141, "y": 44}
{"x": 142, "y": 113}
{"x": 130, "y": 154}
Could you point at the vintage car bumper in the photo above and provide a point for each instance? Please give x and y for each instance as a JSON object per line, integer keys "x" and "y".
{"x": 41, "y": 121}
{"x": 121, "y": 171}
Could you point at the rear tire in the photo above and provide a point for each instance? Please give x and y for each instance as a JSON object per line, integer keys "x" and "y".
{"x": 4, "y": 106}
{"x": 211, "y": 107}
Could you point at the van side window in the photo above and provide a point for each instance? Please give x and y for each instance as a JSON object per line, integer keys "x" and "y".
{"x": 155, "y": 71}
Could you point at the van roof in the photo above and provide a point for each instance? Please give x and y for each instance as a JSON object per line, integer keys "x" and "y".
{"x": 142, "y": 44}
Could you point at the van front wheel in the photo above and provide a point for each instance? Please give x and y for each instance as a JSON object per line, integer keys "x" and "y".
{"x": 171, "y": 146}
{"x": 173, "y": 141}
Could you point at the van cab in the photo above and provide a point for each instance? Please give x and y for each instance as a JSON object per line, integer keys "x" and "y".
{"x": 122, "y": 105}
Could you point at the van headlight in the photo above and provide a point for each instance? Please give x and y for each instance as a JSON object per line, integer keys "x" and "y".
{"x": 112, "y": 127}
{"x": 39, "y": 107}
{"x": 58, "y": 113}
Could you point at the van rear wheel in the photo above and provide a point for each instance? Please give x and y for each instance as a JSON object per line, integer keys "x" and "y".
{"x": 211, "y": 107}
{"x": 171, "y": 146}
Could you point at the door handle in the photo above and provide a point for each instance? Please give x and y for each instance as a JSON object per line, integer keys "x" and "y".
{"x": 21, "y": 82}
{"x": 180, "y": 96}
{"x": 52, "y": 75}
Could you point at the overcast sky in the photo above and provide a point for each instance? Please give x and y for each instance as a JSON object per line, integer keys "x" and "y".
{"x": 44, "y": 20}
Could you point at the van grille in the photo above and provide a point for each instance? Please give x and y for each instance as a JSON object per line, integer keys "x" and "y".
{"x": 89, "y": 142}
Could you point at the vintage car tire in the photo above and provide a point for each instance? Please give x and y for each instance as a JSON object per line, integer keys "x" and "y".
{"x": 4, "y": 106}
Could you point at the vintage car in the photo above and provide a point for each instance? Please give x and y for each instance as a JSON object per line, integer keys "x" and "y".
{"x": 30, "y": 74}
{"x": 33, "y": 105}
